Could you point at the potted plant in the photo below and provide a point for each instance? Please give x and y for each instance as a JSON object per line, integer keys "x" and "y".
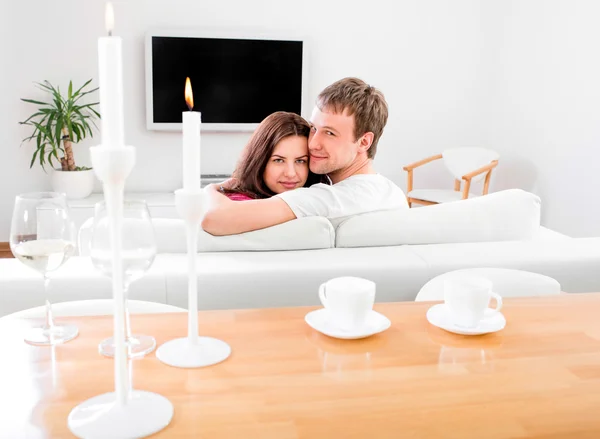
{"x": 57, "y": 125}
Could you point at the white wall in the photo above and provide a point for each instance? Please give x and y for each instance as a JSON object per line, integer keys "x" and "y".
{"x": 424, "y": 55}
{"x": 440, "y": 64}
{"x": 544, "y": 106}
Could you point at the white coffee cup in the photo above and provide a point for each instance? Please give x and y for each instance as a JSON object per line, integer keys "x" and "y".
{"x": 348, "y": 301}
{"x": 467, "y": 298}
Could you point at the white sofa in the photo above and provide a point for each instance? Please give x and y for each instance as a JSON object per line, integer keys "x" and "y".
{"x": 400, "y": 250}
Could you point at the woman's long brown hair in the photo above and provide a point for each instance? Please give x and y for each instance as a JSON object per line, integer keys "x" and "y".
{"x": 251, "y": 166}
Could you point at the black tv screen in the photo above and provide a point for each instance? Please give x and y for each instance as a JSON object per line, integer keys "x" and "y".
{"x": 234, "y": 81}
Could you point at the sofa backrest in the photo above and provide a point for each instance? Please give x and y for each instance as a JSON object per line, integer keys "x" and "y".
{"x": 301, "y": 234}
{"x": 502, "y": 216}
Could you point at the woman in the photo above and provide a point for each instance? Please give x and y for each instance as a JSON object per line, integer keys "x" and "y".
{"x": 275, "y": 160}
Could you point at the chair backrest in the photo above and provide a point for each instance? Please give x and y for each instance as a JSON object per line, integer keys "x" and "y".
{"x": 461, "y": 161}
{"x": 506, "y": 282}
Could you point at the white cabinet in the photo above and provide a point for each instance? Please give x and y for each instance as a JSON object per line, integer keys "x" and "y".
{"x": 160, "y": 204}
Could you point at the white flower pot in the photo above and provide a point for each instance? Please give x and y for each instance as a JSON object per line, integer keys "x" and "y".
{"x": 75, "y": 184}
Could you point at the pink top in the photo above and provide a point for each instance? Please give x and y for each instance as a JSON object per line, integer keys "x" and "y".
{"x": 236, "y": 196}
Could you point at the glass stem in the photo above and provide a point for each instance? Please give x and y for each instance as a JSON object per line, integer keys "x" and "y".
{"x": 130, "y": 377}
{"x": 127, "y": 323}
{"x": 49, "y": 324}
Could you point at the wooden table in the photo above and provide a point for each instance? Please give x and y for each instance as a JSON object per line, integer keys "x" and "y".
{"x": 538, "y": 378}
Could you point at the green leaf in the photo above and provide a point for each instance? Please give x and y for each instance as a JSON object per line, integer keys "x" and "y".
{"x": 43, "y": 120}
{"x": 28, "y": 138}
{"x": 33, "y": 159}
{"x": 85, "y": 93}
{"x": 44, "y": 88}
{"x": 70, "y": 128}
{"x": 87, "y": 106}
{"x": 40, "y": 127}
{"x": 78, "y": 115}
{"x": 42, "y": 153}
{"x": 58, "y": 131}
{"x": 76, "y": 132}
{"x": 82, "y": 87}
{"x": 70, "y": 90}
{"x": 94, "y": 122}
{"x": 58, "y": 103}
{"x": 49, "y": 123}
{"x": 31, "y": 101}
{"x": 39, "y": 113}
{"x": 50, "y": 154}
{"x": 96, "y": 113}
{"x": 46, "y": 84}
{"x": 86, "y": 126}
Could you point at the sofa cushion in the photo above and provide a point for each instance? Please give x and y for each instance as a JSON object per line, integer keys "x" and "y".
{"x": 573, "y": 262}
{"x": 546, "y": 234}
{"x": 77, "y": 279}
{"x": 300, "y": 234}
{"x": 230, "y": 280}
{"x": 502, "y": 216}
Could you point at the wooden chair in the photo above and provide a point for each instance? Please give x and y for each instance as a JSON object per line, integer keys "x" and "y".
{"x": 468, "y": 164}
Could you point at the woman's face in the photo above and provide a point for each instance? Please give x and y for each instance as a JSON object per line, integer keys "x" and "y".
{"x": 287, "y": 167}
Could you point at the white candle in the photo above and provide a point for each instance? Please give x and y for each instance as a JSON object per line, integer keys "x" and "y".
{"x": 110, "y": 68}
{"x": 111, "y": 109}
{"x": 191, "y": 142}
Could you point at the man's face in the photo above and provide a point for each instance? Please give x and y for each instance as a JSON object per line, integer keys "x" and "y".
{"x": 331, "y": 144}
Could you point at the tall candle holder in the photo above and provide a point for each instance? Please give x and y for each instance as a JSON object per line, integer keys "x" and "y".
{"x": 193, "y": 350}
{"x": 124, "y": 413}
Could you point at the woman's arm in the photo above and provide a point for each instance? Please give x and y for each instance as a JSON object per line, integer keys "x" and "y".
{"x": 227, "y": 217}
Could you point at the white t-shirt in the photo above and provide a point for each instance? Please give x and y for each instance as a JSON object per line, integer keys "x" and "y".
{"x": 354, "y": 195}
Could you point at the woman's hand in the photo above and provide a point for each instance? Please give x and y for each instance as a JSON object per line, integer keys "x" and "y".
{"x": 229, "y": 183}
{"x": 214, "y": 195}
{"x": 213, "y": 187}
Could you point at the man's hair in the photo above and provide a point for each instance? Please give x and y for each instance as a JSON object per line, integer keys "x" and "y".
{"x": 366, "y": 103}
{"x": 251, "y": 166}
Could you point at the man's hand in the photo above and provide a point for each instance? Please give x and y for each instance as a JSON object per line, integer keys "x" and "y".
{"x": 227, "y": 217}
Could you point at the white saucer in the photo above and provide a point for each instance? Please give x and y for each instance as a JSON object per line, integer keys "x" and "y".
{"x": 439, "y": 316}
{"x": 319, "y": 321}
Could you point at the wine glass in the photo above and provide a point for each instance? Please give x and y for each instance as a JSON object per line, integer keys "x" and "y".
{"x": 138, "y": 252}
{"x": 42, "y": 236}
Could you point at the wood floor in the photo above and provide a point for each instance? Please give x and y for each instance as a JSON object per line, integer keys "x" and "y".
{"x": 5, "y": 250}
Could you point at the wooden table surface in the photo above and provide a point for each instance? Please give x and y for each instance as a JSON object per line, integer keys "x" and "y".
{"x": 538, "y": 378}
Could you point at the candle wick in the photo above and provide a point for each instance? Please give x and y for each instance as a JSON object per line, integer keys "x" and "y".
{"x": 110, "y": 33}
{"x": 189, "y": 107}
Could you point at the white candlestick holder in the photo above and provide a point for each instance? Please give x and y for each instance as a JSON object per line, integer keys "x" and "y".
{"x": 193, "y": 350}
{"x": 124, "y": 413}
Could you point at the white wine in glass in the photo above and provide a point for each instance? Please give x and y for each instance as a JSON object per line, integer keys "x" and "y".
{"x": 42, "y": 236}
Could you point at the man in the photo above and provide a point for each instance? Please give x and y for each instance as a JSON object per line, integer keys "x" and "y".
{"x": 346, "y": 125}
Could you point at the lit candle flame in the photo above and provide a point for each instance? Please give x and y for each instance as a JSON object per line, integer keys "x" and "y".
{"x": 109, "y": 18}
{"x": 189, "y": 96}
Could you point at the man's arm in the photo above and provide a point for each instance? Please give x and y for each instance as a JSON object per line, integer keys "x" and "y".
{"x": 227, "y": 217}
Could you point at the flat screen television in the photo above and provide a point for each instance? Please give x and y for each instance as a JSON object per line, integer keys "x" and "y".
{"x": 236, "y": 80}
